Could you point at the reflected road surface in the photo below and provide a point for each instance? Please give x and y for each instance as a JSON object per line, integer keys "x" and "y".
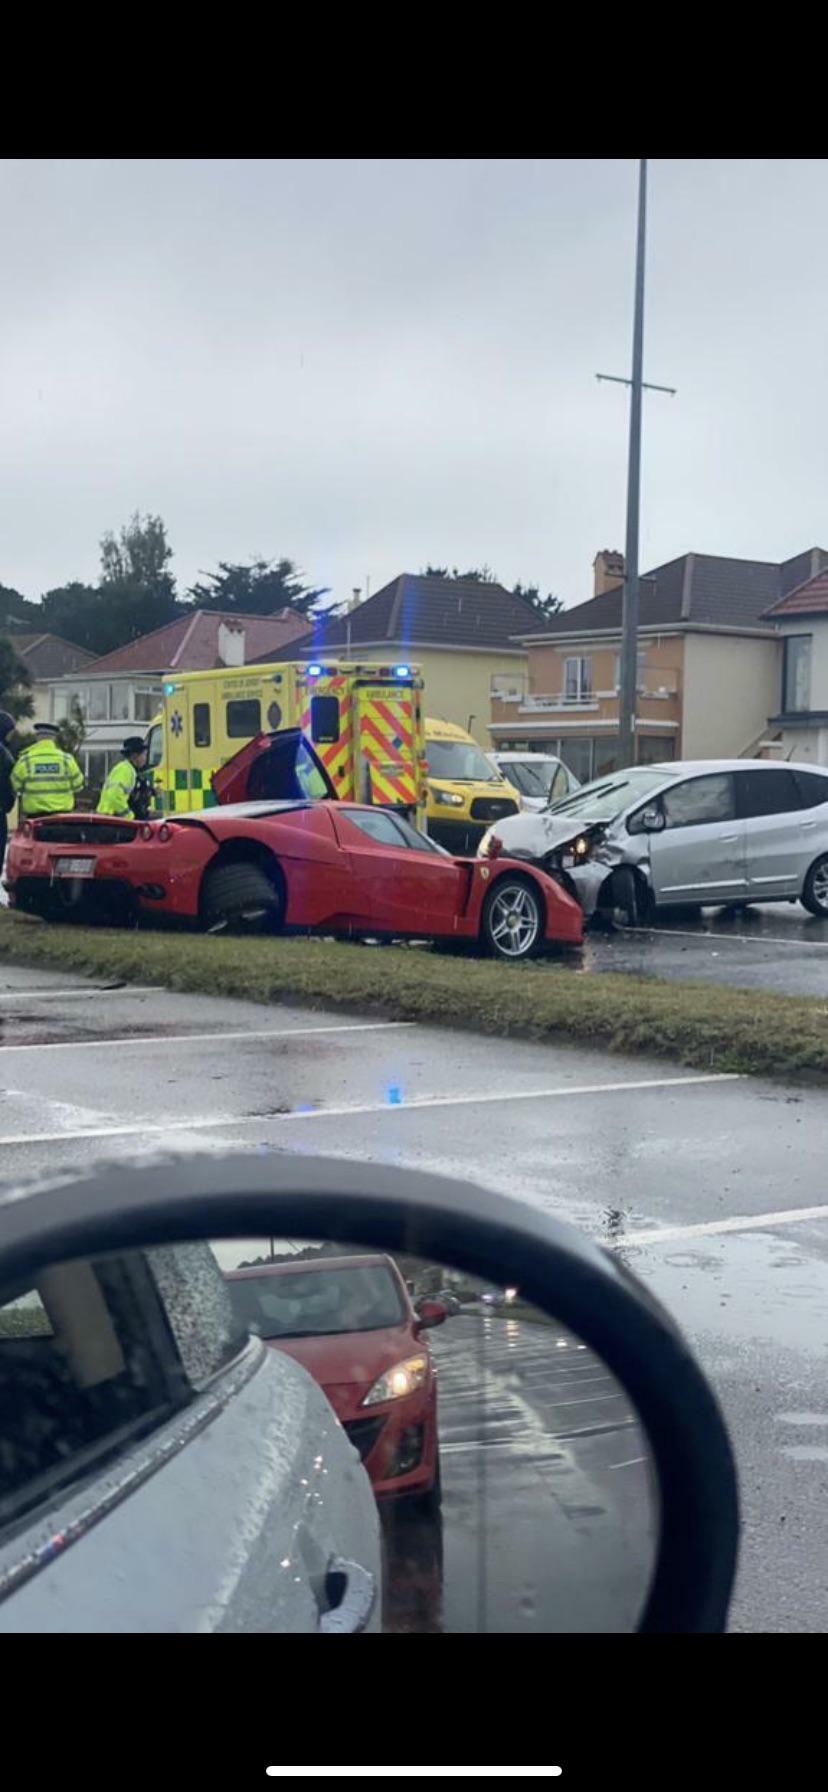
{"x": 548, "y": 1520}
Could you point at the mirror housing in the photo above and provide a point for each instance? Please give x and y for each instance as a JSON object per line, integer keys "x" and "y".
{"x": 650, "y": 820}
{"x": 588, "y": 1289}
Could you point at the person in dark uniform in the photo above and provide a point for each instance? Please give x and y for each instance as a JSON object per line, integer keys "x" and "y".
{"x": 7, "y": 794}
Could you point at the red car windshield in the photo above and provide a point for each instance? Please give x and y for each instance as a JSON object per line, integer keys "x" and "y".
{"x": 318, "y": 1302}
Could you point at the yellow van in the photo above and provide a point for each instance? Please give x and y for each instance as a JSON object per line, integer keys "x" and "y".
{"x": 466, "y": 793}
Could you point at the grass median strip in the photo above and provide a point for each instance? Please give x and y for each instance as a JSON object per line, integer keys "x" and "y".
{"x": 712, "y": 1027}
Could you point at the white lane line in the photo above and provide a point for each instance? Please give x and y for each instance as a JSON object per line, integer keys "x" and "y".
{"x": 368, "y": 1107}
{"x": 712, "y": 939}
{"x": 631, "y": 1462}
{"x": 63, "y": 995}
{"x": 748, "y": 1222}
{"x": 85, "y": 1045}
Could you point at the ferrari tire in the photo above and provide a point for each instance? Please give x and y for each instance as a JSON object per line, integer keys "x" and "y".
{"x": 513, "y": 919}
{"x": 240, "y": 897}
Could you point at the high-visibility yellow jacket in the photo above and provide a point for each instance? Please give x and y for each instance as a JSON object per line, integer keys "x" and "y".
{"x": 118, "y": 788}
{"x": 45, "y": 779}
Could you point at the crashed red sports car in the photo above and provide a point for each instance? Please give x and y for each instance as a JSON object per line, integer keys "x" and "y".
{"x": 278, "y": 853}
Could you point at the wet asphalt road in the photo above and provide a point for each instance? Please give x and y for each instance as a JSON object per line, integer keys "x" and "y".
{"x": 774, "y": 945}
{"x": 547, "y": 1522}
{"x": 701, "y": 1181}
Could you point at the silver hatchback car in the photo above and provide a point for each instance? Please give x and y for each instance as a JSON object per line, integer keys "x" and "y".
{"x": 684, "y": 834}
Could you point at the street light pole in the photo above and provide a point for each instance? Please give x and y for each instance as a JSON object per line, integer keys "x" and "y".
{"x": 629, "y": 626}
{"x": 628, "y": 681}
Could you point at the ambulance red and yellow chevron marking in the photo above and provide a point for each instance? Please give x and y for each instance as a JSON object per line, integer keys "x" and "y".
{"x": 386, "y": 741}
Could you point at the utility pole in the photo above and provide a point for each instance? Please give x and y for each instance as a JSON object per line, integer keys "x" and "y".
{"x": 629, "y": 640}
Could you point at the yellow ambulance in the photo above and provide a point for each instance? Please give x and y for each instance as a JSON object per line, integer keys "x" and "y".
{"x": 365, "y": 722}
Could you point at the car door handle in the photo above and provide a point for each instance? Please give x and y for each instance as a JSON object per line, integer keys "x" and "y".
{"x": 807, "y": 824}
{"x": 350, "y": 1592}
{"x": 727, "y": 838}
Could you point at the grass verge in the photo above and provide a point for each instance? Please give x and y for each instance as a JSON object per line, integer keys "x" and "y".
{"x": 708, "y": 1027}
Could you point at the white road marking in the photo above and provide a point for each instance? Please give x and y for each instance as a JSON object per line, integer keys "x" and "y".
{"x": 417, "y": 1102}
{"x": 82, "y": 1045}
{"x": 749, "y": 1222}
{"x": 630, "y": 1462}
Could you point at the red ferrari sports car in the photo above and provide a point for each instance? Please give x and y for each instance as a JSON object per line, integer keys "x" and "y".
{"x": 280, "y": 852}
{"x": 349, "y": 1321}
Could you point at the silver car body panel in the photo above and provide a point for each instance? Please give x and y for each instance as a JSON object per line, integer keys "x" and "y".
{"x": 221, "y": 1520}
{"x": 705, "y": 863}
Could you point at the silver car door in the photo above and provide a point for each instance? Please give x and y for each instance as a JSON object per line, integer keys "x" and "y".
{"x": 699, "y": 856}
{"x": 777, "y": 830}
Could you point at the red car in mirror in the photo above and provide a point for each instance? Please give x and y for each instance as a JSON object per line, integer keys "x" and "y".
{"x": 350, "y": 1322}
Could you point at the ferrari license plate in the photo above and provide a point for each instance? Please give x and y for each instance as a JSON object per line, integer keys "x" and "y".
{"x": 73, "y": 867}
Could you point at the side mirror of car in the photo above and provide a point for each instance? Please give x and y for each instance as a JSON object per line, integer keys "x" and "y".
{"x": 651, "y": 820}
{"x": 430, "y": 1312}
{"x": 191, "y": 1353}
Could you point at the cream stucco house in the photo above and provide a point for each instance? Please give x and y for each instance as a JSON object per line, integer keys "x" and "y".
{"x": 460, "y": 632}
{"x": 709, "y": 661}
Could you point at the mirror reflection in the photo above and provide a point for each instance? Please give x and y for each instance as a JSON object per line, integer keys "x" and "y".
{"x": 285, "y": 1435}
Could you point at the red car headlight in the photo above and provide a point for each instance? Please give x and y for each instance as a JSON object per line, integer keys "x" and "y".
{"x": 403, "y": 1379}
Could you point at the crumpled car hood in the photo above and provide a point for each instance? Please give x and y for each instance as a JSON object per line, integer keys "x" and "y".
{"x": 539, "y": 833}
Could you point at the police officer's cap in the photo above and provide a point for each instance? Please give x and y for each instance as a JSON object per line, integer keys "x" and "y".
{"x": 134, "y": 744}
{"x": 45, "y": 728}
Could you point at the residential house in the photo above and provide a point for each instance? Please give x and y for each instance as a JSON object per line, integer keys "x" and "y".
{"x": 798, "y": 726}
{"x": 120, "y": 693}
{"x": 47, "y": 657}
{"x": 708, "y": 664}
{"x": 460, "y": 632}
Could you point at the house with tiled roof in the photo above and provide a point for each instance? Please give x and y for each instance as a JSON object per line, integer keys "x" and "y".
{"x": 462, "y": 633}
{"x": 121, "y": 691}
{"x": 798, "y": 723}
{"x": 708, "y": 665}
{"x": 47, "y": 656}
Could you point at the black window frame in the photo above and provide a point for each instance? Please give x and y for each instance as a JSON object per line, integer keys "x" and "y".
{"x": 235, "y": 703}
{"x": 325, "y": 720}
{"x": 199, "y": 710}
{"x": 749, "y": 779}
{"x": 819, "y": 776}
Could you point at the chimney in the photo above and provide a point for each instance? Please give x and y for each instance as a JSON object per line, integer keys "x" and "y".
{"x": 230, "y": 645}
{"x": 356, "y": 598}
{"x": 608, "y": 570}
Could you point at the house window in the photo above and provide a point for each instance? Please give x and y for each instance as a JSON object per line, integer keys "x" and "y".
{"x": 639, "y": 676}
{"x": 119, "y": 702}
{"x": 796, "y": 673}
{"x": 653, "y": 748}
{"x": 64, "y": 698}
{"x": 147, "y": 700}
{"x": 98, "y": 710}
{"x": 577, "y": 755}
{"x": 577, "y": 680}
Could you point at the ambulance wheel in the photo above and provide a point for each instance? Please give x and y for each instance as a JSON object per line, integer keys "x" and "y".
{"x": 242, "y": 898}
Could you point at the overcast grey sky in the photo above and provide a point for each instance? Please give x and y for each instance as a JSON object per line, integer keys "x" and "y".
{"x": 364, "y": 365}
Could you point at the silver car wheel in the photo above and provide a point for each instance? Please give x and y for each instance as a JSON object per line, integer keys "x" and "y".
{"x": 819, "y": 884}
{"x": 514, "y": 920}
